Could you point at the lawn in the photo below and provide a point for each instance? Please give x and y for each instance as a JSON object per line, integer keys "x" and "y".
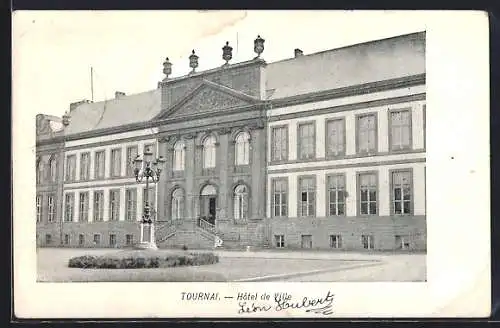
{"x": 52, "y": 267}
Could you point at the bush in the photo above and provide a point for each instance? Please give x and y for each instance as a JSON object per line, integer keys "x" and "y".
{"x": 138, "y": 261}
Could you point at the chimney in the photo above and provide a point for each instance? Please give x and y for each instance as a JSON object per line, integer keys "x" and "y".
{"x": 119, "y": 94}
{"x": 78, "y": 103}
{"x": 298, "y": 53}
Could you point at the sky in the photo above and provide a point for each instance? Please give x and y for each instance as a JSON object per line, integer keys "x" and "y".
{"x": 53, "y": 52}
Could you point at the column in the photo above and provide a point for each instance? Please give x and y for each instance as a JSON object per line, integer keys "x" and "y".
{"x": 292, "y": 140}
{"x": 320, "y": 194}
{"x": 189, "y": 167}
{"x": 123, "y": 204}
{"x": 225, "y": 185}
{"x": 124, "y": 160}
{"x": 383, "y": 130}
{"x": 140, "y": 201}
{"x": 417, "y": 124}
{"x": 350, "y": 134}
{"x": 107, "y": 162}
{"x": 292, "y": 195}
{"x": 320, "y": 137}
{"x": 91, "y": 205}
{"x": 92, "y": 165}
{"x": 162, "y": 184}
{"x": 351, "y": 201}
{"x": 106, "y": 205}
{"x": 76, "y": 211}
{"x": 258, "y": 187}
{"x": 77, "y": 166}
{"x": 384, "y": 198}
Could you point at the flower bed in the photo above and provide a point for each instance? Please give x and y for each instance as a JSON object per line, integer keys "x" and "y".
{"x": 140, "y": 260}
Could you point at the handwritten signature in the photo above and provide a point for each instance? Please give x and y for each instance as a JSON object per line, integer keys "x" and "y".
{"x": 284, "y": 301}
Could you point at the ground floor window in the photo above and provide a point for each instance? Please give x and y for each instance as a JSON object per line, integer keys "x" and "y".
{"x": 66, "y": 239}
{"x": 81, "y": 239}
{"x": 112, "y": 240}
{"x": 367, "y": 241}
{"x": 97, "y": 239}
{"x": 129, "y": 239}
{"x": 48, "y": 239}
{"x": 280, "y": 241}
{"x": 402, "y": 242}
{"x": 306, "y": 241}
{"x": 335, "y": 241}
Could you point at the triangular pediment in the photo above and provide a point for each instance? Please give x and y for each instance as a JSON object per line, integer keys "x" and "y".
{"x": 207, "y": 97}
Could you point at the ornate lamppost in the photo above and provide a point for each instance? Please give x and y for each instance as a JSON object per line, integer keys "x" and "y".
{"x": 147, "y": 168}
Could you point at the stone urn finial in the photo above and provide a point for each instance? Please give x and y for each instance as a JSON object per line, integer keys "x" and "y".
{"x": 227, "y": 52}
{"x": 193, "y": 61}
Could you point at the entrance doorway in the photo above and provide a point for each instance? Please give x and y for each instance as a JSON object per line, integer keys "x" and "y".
{"x": 208, "y": 203}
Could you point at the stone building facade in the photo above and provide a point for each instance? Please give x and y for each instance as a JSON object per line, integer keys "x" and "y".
{"x": 318, "y": 151}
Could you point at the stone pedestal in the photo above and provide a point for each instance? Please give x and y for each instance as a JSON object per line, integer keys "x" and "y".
{"x": 147, "y": 240}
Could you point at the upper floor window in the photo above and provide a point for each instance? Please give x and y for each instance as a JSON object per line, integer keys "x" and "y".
{"x": 179, "y": 156}
{"x": 401, "y": 185}
{"x": 116, "y": 162}
{"x": 98, "y": 205}
{"x": 280, "y": 197}
{"x": 335, "y": 137}
{"x": 367, "y": 133}
{"x": 69, "y": 207}
{"x": 400, "y": 129}
{"x": 84, "y": 166}
{"x": 39, "y": 172}
{"x": 242, "y": 148}
{"x": 209, "y": 151}
{"x": 177, "y": 204}
{"x": 100, "y": 157}
{"x": 53, "y": 169}
{"x": 131, "y": 204}
{"x": 306, "y": 140}
{"x": 51, "y": 208}
{"x": 240, "y": 202}
{"x": 71, "y": 168}
{"x": 279, "y": 143}
{"x": 336, "y": 194}
{"x": 307, "y": 200}
{"x": 38, "y": 208}
{"x": 132, "y": 152}
{"x": 84, "y": 207}
{"x": 114, "y": 205}
{"x": 367, "y": 200}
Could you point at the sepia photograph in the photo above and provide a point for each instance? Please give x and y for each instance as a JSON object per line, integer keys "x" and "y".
{"x": 222, "y": 146}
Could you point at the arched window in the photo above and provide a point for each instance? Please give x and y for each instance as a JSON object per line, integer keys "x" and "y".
{"x": 240, "y": 202}
{"x": 39, "y": 171}
{"x": 177, "y": 204}
{"x": 209, "y": 152}
{"x": 53, "y": 169}
{"x": 179, "y": 156}
{"x": 242, "y": 148}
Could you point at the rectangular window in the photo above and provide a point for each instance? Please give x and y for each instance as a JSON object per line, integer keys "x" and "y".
{"x": 97, "y": 239}
{"x": 401, "y": 190}
{"x": 307, "y": 196}
{"x": 400, "y": 129}
{"x": 279, "y": 143}
{"x": 48, "y": 239}
{"x": 83, "y": 214}
{"x": 335, "y": 137}
{"x": 367, "y": 241}
{"x": 367, "y": 198}
{"x": 38, "y": 208}
{"x": 69, "y": 207}
{"x": 114, "y": 205}
{"x": 112, "y": 240}
{"x": 129, "y": 239}
{"x": 51, "y": 208}
{"x": 306, "y": 140}
{"x": 98, "y": 206}
{"x": 71, "y": 168}
{"x": 116, "y": 162}
{"x": 131, "y": 204}
{"x": 84, "y": 166}
{"x": 151, "y": 197}
{"x": 81, "y": 239}
{"x": 402, "y": 242}
{"x": 366, "y": 133}
{"x": 335, "y": 241}
{"x": 336, "y": 194}
{"x": 66, "y": 239}
{"x": 100, "y": 157}
{"x": 132, "y": 153}
{"x": 306, "y": 241}
{"x": 280, "y": 197}
{"x": 280, "y": 241}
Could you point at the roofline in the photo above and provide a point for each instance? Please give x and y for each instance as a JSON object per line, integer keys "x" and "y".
{"x": 121, "y": 98}
{"x": 349, "y": 46}
{"x": 356, "y": 89}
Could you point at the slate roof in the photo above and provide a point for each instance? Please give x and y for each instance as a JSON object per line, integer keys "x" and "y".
{"x": 372, "y": 61}
{"x": 128, "y": 109}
